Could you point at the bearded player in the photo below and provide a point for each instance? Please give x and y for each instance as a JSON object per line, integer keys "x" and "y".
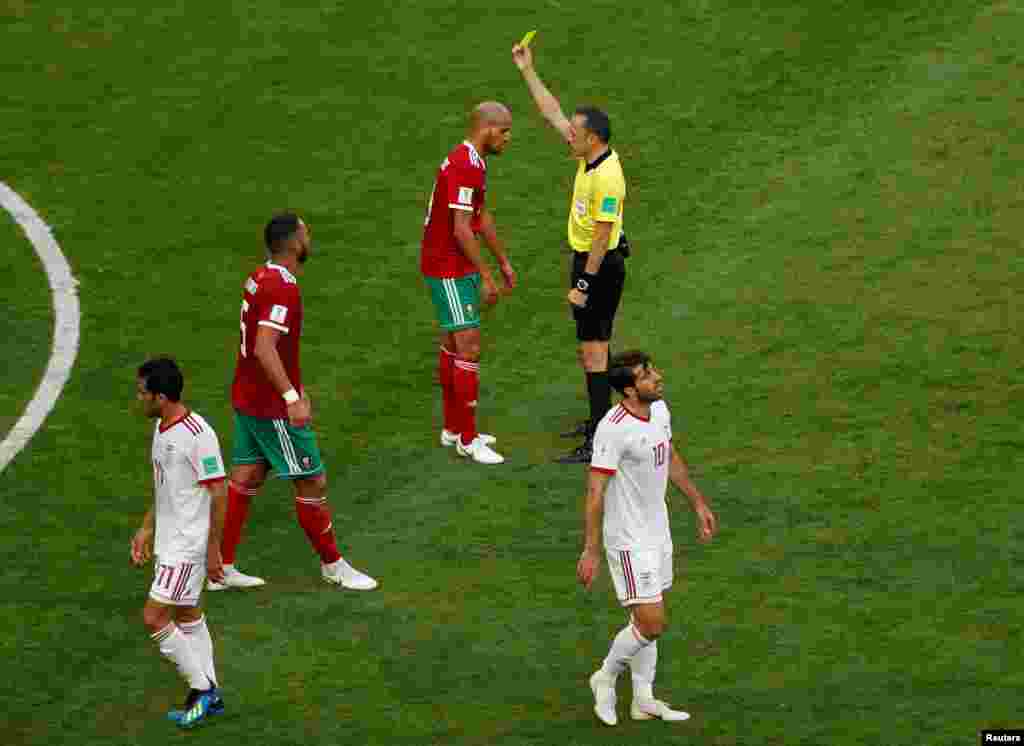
{"x": 272, "y": 411}
{"x": 182, "y": 529}
{"x": 634, "y": 460}
{"x": 458, "y": 277}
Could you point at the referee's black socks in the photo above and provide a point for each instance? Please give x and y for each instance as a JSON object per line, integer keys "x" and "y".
{"x": 600, "y": 392}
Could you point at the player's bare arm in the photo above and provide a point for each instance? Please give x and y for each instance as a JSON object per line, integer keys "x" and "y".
{"x": 497, "y": 247}
{"x": 598, "y": 248}
{"x": 142, "y": 541}
{"x": 265, "y": 350}
{"x": 593, "y": 515}
{"x": 470, "y": 246}
{"x": 218, "y": 509}
{"x": 679, "y": 474}
{"x": 548, "y": 105}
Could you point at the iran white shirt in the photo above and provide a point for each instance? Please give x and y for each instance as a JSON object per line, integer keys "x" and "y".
{"x": 635, "y": 453}
{"x": 186, "y": 458}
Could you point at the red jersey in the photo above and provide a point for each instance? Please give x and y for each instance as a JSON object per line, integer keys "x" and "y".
{"x": 270, "y": 298}
{"x": 461, "y": 185}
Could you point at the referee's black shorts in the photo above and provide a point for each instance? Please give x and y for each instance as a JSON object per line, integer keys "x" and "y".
{"x": 594, "y": 321}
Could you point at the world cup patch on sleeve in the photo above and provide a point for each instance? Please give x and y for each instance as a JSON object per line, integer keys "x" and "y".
{"x": 210, "y": 465}
{"x": 610, "y": 205}
{"x": 278, "y": 314}
{"x": 465, "y": 196}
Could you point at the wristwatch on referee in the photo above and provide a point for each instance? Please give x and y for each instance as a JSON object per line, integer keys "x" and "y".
{"x": 585, "y": 282}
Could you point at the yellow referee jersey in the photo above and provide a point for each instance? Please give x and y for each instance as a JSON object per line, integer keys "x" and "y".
{"x": 597, "y": 197}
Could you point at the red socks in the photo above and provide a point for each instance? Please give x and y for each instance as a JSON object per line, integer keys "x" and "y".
{"x": 466, "y": 383}
{"x": 239, "y": 497}
{"x": 445, "y": 370}
{"x": 312, "y": 512}
{"x": 315, "y": 519}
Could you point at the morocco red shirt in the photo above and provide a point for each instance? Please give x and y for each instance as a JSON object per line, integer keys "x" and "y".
{"x": 461, "y": 185}
{"x": 270, "y": 298}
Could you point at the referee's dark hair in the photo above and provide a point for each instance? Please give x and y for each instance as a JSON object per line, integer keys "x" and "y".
{"x": 281, "y": 228}
{"x": 620, "y": 369}
{"x": 597, "y": 122}
{"x": 161, "y": 375}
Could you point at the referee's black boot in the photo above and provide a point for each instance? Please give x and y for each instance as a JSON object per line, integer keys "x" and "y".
{"x": 579, "y": 455}
{"x": 581, "y": 429}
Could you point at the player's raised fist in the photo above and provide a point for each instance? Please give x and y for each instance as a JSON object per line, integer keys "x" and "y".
{"x": 522, "y": 56}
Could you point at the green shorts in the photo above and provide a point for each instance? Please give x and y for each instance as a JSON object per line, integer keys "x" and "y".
{"x": 456, "y": 301}
{"x": 291, "y": 451}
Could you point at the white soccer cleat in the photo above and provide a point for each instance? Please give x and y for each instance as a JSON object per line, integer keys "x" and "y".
{"x": 654, "y": 708}
{"x": 448, "y": 438}
{"x": 343, "y": 574}
{"x": 235, "y": 579}
{"x": 604, "y": 698}
{"x": 479, "y": 451}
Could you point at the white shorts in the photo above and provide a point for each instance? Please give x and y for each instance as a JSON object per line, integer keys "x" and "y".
{"x": 178, "y": 584}
{"x": 640, "y": 577}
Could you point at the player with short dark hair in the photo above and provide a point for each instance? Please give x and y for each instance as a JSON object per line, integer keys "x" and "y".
{"x": 455, "y": 270}
{"x": 598, "y": 243}
{"x": 595, "y": 120}
{"x": 183, "y": 530}
{"x": 273, "y": 412}
{"x": 626, "y": 510}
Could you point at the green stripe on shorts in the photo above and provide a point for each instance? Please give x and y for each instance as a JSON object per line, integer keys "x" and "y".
{"x": 456, "y": 301}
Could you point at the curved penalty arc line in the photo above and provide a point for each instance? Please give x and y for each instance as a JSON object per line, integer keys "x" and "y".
{"x": 66, "y": 321}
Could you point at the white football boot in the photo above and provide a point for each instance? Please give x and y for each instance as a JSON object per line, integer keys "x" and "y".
{"x": 343, "y": 574}
{"x": 479, "y": 451}
{"x": 604, "y": 698}
{"x": 235, "y": 579}
{"x": 448, "y": 438}
{"x": 650, "y": 709}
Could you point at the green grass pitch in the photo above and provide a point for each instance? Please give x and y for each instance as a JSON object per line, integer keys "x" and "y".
{"x": 826, "y": 207}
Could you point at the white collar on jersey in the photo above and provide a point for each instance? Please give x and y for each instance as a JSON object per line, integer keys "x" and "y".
{"x": 284, "y": 272}
{"x": 475, "y": 152}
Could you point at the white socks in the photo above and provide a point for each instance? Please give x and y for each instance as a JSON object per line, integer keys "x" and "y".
{"x": 643, "y": 665}
{"x": 626, "y": 644}
{"x": 198, "y": 634}
{"x": 176, "y": 648}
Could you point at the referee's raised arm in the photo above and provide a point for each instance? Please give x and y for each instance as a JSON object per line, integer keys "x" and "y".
{"x": 546, "y": 103}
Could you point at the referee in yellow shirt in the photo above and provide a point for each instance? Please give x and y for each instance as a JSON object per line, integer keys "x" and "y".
{"x": 595, "y": 236}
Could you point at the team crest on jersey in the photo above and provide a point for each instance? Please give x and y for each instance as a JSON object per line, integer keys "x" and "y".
{"x": 469, "y": 309}
{"x": 307, "y": 462}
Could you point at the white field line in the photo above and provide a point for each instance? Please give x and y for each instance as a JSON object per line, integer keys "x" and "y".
{"x": 65, "y": 324}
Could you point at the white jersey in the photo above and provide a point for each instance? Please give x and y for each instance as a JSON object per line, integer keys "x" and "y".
{"x": 186, "y": 458}
{"x": 636, "y": 453}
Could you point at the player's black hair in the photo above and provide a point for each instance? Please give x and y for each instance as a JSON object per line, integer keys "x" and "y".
{"x": 620, "y": 368}
{"x": 279, "y": 230}
{"x": 597, "y": 122}
{"x": 161, "y": 375}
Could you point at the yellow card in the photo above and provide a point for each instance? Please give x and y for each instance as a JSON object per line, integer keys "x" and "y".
{"x": 528, "y": 38}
